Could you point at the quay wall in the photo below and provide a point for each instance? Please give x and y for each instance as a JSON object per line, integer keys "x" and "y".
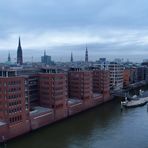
{"x": 40, "y": 120}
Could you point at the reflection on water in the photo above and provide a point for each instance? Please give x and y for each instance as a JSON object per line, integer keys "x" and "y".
{"x": 102, "y": 127}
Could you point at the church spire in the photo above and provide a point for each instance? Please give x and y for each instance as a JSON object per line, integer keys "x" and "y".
{"x": 86, "y": 55}
{"x": 19, "y": 53}
{"x": 44, "y": 53}
{"x": 71, "y": 57}
{"x": 9, "y": 57}
{"x": 19, "y": 44}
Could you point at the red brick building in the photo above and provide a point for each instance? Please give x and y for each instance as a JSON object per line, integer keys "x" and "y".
{"x": 80, "y": 86}
{"x": 101, "y": 83}
{"x": 53, "y": 93}
{"x": 13, "y": 109}
{"x": 31, "y": 101}
{"x": 126, "y": 77}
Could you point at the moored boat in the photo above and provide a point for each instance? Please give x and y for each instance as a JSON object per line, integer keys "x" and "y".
{"x": 134, "y": 103}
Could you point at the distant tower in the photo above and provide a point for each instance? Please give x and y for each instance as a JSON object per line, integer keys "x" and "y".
{"x": 46, "y": 59}
{"x": 19, "y": 53}
{"x": 9, "y": 57}
{"x": 86, "y": 55}
{"x": 44, "y": 53}
{"x": 71, "y": 57}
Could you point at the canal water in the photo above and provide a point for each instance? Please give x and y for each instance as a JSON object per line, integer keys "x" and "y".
{"x": 102, "y": 127}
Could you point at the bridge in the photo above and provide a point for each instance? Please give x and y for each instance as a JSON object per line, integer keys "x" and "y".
{"x": 120, "y": 93}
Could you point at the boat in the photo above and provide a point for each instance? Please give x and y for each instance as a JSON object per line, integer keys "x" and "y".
{"x": 135, "y": 97}
{"x": 135, "y": 101}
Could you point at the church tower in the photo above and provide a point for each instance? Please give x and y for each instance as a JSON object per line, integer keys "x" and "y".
{"x": 9, "y": 57}
{"x": 86, "y": 55}
{"x": 19, "y": 53}
{"x": 71, "y": 57}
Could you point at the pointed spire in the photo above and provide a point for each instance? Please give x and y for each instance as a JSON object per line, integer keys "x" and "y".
{"x": 9, "y": 57}
{"x": 19, "y": 44}
{"x": 71, "y": 57}
{"x": 44, "y": 53}
{"x": 86, "y": 54}
{"x": 19, "y": 53}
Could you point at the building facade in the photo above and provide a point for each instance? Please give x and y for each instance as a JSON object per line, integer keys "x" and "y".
{"x": 53, "y": 93}
{"x": 46, "y": 59}
{"x": 126, "y": 77}
{"x": 80, "y": 85}
{"x": 101, "y": 83}
{"x": 13, "y": 110}
{"x": 116, "y": 75}
{"x": 31, "y": 98}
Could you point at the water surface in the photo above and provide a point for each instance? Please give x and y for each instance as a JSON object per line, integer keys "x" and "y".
{"x": 102, "y": 127}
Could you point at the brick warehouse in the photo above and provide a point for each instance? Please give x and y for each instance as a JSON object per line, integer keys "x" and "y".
{"x": 31, "y": 101}
{"x": 101, "y": 83}
{"x": 53, "y": 93}
{"x": 80, "y": 86}
{"x": 14, "y": 113}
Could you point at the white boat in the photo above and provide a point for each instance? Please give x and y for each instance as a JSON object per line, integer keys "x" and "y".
{"x": 134, "y": 103}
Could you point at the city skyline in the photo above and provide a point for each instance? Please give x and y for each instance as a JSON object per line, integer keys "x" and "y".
{"x": 82, "y": 60}
{"x": 30, "y": 55}
{"x": 110, "y": 29}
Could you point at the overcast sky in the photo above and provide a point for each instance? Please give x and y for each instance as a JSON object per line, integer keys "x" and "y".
{"x": 108, "y": 27}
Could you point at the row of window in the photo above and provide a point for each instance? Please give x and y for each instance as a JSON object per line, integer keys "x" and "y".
{"x": 14, "y": 89}
{"x": 15, "y": 119}
{"x": 14, "y": 110}
{"x": 15, "y": 103}
{"x": 14, "y": 96}
{"x": 2, "y": 90}
{"x": 10, "y": 83}
{"x": 48, "y": 78}
{"x": 53, "y": 84}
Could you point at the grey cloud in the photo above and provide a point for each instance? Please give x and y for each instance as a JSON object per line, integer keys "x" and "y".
{"x": 64, "y": 13}
{"x": 117, "y": 26}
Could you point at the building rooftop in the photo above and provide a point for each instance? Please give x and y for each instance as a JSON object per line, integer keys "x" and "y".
{"x": 38, "y": 110}
{"x": 2, "y": 123}
{"x": 97, "y": 94}
{"x": 72, "y": 101}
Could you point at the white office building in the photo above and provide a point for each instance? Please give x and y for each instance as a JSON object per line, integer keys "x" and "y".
{"x": 116, "y": 75}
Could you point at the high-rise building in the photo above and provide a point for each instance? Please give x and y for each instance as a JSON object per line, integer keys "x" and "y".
{"x": 140, "y": 73}
{"x": 45, "y": 59}
{"x": 116, "y": 75}
{"x": 102, "y": 63}
{"x": 19, "y": 53}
